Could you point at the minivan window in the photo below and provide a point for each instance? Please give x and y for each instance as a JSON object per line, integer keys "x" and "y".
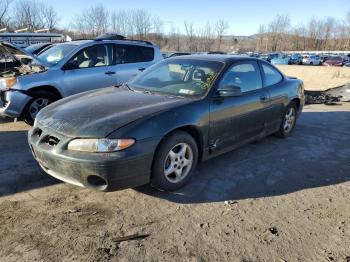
{"x": 133, "y": 54}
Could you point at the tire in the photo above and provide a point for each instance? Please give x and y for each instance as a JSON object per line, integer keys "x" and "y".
{"x": 169, "y": 169}
{"x": 311, "y": 63}
{"x": 39, "y": 101}
{"x": 290, "y": 115}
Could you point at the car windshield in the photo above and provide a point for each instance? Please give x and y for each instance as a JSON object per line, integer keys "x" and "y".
{"x": 55, "y": 54}
{"x": 32, "y": 48}
{"x": 179, "y": 77}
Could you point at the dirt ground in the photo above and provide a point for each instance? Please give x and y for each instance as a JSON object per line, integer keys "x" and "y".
{"x": 286, "y": 200}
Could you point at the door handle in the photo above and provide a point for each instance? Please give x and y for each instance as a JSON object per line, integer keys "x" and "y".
{"x": 142, "y": 69}
{"x": 263, "y": 98}
{"x": 110, "y": 73}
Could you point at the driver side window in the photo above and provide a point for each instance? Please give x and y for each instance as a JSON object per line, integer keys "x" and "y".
{"x": 94, "y": 56}
{"x": 245, "y": 75}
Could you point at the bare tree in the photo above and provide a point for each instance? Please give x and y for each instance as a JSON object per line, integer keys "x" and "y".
{"x": 4, "y": 12}
{"x": 34, "y": 15}
{"x": 121, "y": 23}
{"x": 28, "y": 15}
{"x": 221, "y": 27}
{"x": 208, "y": 37}
{"x": 92, "y": 22}
{"x": 261, "y": 37}
{"x": 347, "y": 26}
{"x": 191, "y": 36}
{"x": 277, "y": 28}
{"x": 142, "y": 22}
{"x": 157, "y": 25}
{"x": 175, "y": 39}
{"x": 50, "y": 16}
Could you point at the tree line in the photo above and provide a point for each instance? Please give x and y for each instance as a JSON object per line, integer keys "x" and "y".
{"x": 318, "y": 34}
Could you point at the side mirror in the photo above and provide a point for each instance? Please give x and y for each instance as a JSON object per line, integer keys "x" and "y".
{"x": 70, "y": 65}
{"x": 229, "y": 91}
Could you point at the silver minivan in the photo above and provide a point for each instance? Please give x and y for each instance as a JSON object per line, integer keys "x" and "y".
{"x": 66, "y": 69}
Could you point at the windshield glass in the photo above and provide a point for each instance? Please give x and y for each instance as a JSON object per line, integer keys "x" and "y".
{"x": 179, "y": 77}
{"x": 32, "y": 48}
{"x": 55, "y": 54}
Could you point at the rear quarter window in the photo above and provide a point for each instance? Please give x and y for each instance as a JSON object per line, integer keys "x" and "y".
{"x": 272, "y": 76}
{"x": 147, "y": 53}
{"x": 126, "y": 54}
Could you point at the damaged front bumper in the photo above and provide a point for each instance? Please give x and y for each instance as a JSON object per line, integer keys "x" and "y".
{"x": 12, "y": 103}
{"x": 99, "y": 171}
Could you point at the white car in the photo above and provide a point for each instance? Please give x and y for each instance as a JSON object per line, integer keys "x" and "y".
{"x": 311, "y": 60}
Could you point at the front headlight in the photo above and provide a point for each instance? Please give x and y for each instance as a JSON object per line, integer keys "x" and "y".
{"x": 7, "y": 83}
{"x": 102, "y": 145}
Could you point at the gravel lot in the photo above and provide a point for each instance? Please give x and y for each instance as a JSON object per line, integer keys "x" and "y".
{"x": 286, "y": 200}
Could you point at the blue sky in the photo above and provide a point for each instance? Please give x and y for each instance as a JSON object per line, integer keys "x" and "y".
{"x": 244, "y": 16}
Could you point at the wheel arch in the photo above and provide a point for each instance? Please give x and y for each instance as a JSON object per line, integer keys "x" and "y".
{"x": 296, "y": 100}
{"x": 193, "y": 131}
{"x": 45, "y": 88}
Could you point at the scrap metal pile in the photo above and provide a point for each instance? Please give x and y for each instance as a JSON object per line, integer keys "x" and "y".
{"x": 328, "y": 97}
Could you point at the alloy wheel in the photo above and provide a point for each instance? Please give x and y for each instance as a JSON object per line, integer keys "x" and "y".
{"x": 289, "y": 120}
{"x": 178, "y": 163}
{"x": 37, "y": 105}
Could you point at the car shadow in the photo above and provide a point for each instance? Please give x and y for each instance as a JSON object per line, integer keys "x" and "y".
{"x": 18, "y": 169}
{"x": 317, "y": 154}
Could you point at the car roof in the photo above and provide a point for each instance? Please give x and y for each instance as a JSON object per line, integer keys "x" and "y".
{"x": 129, "y": 42}
{"x": 216, "y": 58}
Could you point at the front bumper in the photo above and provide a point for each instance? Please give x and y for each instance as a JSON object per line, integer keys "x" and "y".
{"x": 99, "y": 171}
{"x": 12, "y": 103}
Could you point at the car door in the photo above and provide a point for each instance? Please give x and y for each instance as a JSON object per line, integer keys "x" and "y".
{"x": 90, "y": 68}
{"x": 131, "y": 60}
{"x": 234, "y": 120}
{"x": 273, "y": 84}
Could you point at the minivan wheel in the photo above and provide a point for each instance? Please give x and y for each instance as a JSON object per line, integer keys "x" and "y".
{"x": 174, "y": 161}
{"x": 36, "y": 104}
{"x": 288, "y": 121}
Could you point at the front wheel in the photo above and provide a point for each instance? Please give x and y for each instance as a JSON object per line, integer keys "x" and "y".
{"x": 36, "y": 104}
{"x": 288, "y": 121}
{"x": 174, "y": 161}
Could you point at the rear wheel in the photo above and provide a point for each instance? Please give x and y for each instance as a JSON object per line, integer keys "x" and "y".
{"x": 288, "y": 121}
{"x": 38, "y": 102}
{"x": 174, "y": 161}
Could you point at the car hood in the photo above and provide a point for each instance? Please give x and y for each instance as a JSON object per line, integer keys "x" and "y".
{"x": 16, "y": 67}
{"x": 98, "y": 113}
